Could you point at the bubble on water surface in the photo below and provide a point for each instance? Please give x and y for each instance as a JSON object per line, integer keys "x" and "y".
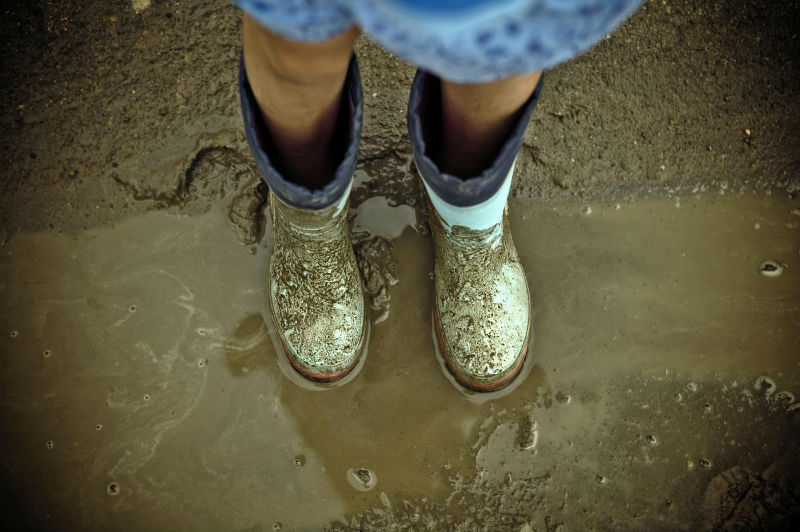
{"x": 362, "y": 479}
{"x": 784, "y": 397}
{"x": 765, "y": 385}
{"x": 771, "y": 268}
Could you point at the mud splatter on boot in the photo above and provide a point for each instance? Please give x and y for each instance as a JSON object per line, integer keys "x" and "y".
{"x": 482, "y": 303}
{"x": 315, "y": 290}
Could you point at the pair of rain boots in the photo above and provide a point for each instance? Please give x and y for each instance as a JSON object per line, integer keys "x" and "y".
{"x": 482, "y": 301}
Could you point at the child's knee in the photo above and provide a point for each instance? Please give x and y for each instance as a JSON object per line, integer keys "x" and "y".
{"x": 301, "y": 62}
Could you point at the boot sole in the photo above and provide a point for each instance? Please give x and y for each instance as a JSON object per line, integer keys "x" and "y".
{"x": 477, "y": 386}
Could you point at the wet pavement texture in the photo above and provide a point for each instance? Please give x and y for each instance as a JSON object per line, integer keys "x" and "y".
{"x": 140, "y": 387}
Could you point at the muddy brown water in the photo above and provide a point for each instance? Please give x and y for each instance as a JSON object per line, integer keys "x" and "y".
{"x": 140, "y": 388}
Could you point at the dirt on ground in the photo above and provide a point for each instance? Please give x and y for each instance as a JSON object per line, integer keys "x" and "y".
{"x": 109, "y": 111}
{"x": 654, "y": 207}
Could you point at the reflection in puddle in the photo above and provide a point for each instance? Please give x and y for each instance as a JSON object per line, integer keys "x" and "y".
{"x": 378, "y": 217}
{"x": 662, "y": 380}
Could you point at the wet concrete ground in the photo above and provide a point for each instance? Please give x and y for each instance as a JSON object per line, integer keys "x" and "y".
{"x": 140, "y": 388}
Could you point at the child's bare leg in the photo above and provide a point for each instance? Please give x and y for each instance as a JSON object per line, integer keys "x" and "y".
{"x": 298, "y": 87}
{"x": 477, "y": 119}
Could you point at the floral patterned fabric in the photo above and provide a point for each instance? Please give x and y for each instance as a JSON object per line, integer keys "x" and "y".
{"x": 462, "y": 41}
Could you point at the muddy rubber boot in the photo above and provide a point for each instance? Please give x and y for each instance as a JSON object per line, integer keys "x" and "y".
{"x": 315, "y": 290}
{"x": 482, "y": 301}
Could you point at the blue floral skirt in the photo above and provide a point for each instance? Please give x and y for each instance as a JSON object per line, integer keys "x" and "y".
{"x": 459, "y": 40}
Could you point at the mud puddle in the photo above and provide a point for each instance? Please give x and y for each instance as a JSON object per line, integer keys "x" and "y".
{"x": 140, "y": 388}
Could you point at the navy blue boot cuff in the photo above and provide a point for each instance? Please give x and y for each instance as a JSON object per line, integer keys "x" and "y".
{"x": 262, "y": 146}
{"x": 424, "y": 120}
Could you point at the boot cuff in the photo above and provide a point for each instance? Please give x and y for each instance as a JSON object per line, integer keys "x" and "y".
{"x": 425, "y": 105}
{"x": 261, "y": 145}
